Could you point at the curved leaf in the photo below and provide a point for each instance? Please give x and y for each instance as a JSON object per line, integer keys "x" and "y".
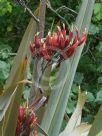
{"x": 58, "y": 99}
{"x": 73, "y": 122}
{"x": 10, "y": 99}
{"x": 97, "y": 124}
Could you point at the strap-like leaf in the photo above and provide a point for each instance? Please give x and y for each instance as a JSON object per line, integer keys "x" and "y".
{"x": 81, "y": 130}
{"x": 99, "y": 134}
{"x": 8, "y": 113}
{"x": 72, "y": 123}
{"x": 9, "y": 103}
{"x": 97, "y": 124}
{"x": 58, "y": 99}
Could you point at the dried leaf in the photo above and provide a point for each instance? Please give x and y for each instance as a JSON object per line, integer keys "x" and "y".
{"x": 72, "y": 123}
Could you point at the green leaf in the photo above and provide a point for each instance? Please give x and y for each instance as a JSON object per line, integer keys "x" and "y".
{"x": 78, "y": 78}
{"x": 99, "y": 96}
{"x": 99, "y": 47}
{"x": 59, "y": 95}
{"x": 70, "y": 107}
{"x": 4, "y": 51}
{"x": 99, "y": 134}
{"x": 41, "y": 130}
{"x": 4, "y": 70}
{"x": 99, "y": 68}
{"x": 89, "y": 97}
{"x": 5, "y": 7}
{"x": 23, "y": 50}
{"x": 89, "y": 118}
{"x": 26, "y": 93}
{"x": 97, "y": 8}
{"x": 12, "y": 97}
{"x": 98, "y": 11}
{"x": 4, "y": 46}
{"x": 18, "y": 73}
{"x": 97, "y": 124}
{"x": 93, "y": 29}
{"x": 100, "y": 79}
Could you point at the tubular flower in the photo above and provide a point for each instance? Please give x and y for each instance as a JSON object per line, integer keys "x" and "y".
{"x": 57, "y": 43}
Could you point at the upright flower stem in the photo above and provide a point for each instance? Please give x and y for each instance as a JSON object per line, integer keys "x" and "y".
{"x": 38, "y": 61}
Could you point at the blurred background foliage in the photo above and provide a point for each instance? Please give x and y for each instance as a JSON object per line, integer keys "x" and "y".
{"x": 13, "y": 22}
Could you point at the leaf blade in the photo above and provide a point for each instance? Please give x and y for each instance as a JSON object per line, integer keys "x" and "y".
{"x": 56, "y": 108}
{"x": 97, "y": 125}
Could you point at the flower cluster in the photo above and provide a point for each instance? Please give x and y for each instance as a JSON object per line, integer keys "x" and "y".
{"x": 26, "y": 120}
{"x": 58, "y": 44}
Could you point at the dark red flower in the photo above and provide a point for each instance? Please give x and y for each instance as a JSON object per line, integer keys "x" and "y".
{"x": 57, "y": 43}
{"x": 26, "y": 120}
{"x": 18, "y": 127}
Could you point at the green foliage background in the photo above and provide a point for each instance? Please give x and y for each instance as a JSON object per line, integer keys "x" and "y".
{"x": 13, "y": 22}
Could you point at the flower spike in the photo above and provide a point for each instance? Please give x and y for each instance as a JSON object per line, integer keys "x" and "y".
{"x": 58, "y": 44}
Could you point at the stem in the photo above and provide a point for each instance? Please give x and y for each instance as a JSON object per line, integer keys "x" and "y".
{"x": 35, "y": 88}
{"x": 66, "y": 8}
{"x": 54, "y": 11}
{"x": 23, "y": 4}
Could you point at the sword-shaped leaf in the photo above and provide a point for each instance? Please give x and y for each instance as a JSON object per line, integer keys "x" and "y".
{"x": 9, "y": 103}
{"x": 10, "y": 99}
{"x": 58, "y": 99}
{"x": 97, "y": 124}
{"x": 72, "y": 123}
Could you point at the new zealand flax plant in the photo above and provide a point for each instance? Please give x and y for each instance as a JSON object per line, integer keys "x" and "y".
{"x": 43, "y": 112}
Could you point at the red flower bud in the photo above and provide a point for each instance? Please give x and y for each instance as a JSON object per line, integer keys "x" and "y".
{"x": 18, "y": 127}
{"x": 68, "y": 40}
{"x": 62, "y": 42}
{"x": 70, "y": 35}
{"x": 44, "y": 52}
{"x": 70, "y": 51}
{"x": 76, "y": 36}
{"x": 32, "y": 49}
{"x": 61, "y": 38}
{"x": 37, "y": 40}
{"x": 64, "y": 32}
{"x": 21, "y": 113}
{"x": 48, "y": 39}
{"x": 24, "y": 123}
{"x": 31, "y": 118}
{"x": 54, "y": 41}
{"x": 83, "y": 39}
